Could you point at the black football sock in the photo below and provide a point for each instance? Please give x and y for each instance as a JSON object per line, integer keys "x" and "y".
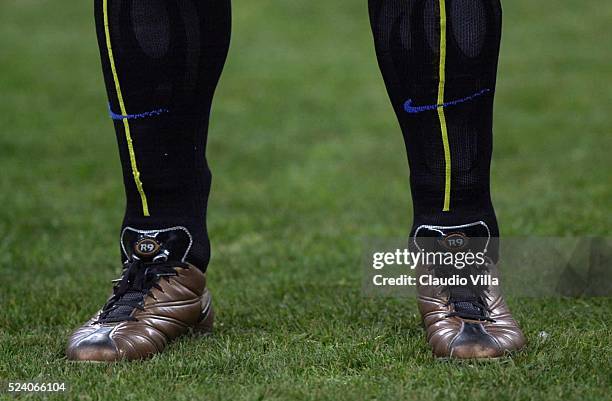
{"x": 162, "y": 60}
{"x": 439, "y": 63}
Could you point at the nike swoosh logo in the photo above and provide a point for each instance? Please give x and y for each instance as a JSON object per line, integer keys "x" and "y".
{"x": 119, "y": 117}
{"x": 409, "y": 108}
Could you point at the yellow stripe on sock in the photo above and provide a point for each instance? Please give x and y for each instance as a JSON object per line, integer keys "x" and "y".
{"x": 126, "y": 124}
{"x": 441, "y": 115}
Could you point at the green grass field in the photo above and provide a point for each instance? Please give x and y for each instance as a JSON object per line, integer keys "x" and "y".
{"x": 308, "y": 160}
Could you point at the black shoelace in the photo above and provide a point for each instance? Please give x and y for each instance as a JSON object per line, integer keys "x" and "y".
{"x": 137, "y": 280}
{"x": 469, "y": 301}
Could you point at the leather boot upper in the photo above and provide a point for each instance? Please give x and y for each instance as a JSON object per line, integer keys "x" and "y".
{"x": 155, "y": 301}
{"x": 465, "y": 321}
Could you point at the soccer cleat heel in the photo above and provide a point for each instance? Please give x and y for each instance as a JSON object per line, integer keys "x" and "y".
{"x": 207, "y": 317}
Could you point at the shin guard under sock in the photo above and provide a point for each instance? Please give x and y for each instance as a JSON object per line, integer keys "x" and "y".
{"x": 439, "y": 62}
{"x": 162, "y": 60}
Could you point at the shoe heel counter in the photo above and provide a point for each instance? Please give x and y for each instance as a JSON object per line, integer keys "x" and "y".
{"x": 207, "y": 317}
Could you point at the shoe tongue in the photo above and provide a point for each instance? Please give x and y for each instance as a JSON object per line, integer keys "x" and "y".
{"x": 150, "y": 245}
{"x": 468, "y": 308}
{"x": 465, "y": 301}
{"x": 121, "y": 312}
{"x": 473, "y": 237}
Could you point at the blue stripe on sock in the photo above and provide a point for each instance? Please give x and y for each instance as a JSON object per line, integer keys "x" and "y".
{"x": 409, "y": 108}
{"x": 146, "y": 114}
